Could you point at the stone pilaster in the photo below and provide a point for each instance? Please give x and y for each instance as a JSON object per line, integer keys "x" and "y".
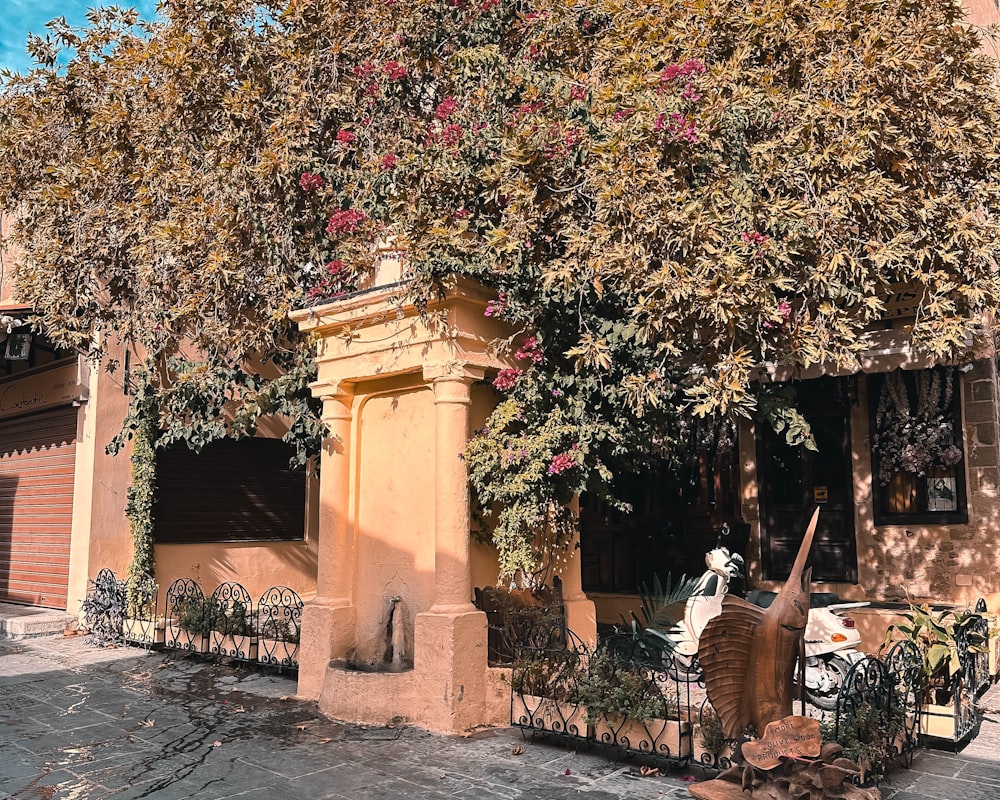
{"x": 328, "y": 621}
{"x": 450, "y": 638}
{"x": 581, "y": 614}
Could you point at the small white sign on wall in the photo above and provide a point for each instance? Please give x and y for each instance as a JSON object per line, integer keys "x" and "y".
{"x": 941, "y": 494}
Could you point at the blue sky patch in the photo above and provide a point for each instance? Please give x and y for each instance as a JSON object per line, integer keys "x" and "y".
{"x": 20, "y": 17}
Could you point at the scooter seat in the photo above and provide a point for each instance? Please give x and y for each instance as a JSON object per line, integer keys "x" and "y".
{"x": 763, "y": 598}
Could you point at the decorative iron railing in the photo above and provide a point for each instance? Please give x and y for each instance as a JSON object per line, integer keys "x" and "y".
{"x": 226, "y": 624}
{"x": 628, "y": 695}
{"x": 279, "y": 620}
{"x": 143, "y": 623}
{"x": 876, "y": 716}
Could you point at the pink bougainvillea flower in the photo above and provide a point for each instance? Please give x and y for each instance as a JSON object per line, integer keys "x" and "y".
{"x": 753, "y": 237}
{"x": 506, "y": 379}
{"x": 486, "y": 6}
{"x": 394, "y": 70}
{"x": 462, "y": 213}
{"x": 690, "y": 94}
{"x": 572, "y": 137}
{"x": 687, "y": 69}
{"x": 621, "y": 114}
{"x": 783, "y": 312}
{"x": 308, "y": 181}
{"x": 345, "y": 221}
{"x": 451, "y": 134}
{"x": 345, "y": 136}
{"x": 578, "y": 93}
{"x": 389, "y": 161}
{"x": 495, "y": 308}
{"x": 335, "y": 267}
{"x": 562, "y": 462}
{"x": 365, "y": 70}
{"x": 682, "y": 128}
{"x": 670, "y": 72}
{"x": 446, "y": 108}
{"x": 529, "y": 351}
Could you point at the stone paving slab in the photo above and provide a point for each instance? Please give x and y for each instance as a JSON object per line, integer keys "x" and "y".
{"x": 82, "y": 723}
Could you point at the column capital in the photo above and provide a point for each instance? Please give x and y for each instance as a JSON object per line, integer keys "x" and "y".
{"x": 453, "y": 371}
{"x": 340, "y": 390}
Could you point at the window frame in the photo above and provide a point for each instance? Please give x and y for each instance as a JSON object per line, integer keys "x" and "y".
{"x": 882, "y": 516}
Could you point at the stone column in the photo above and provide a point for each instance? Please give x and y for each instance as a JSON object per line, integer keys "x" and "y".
{"x": 450, "y": 638}
{"x": 328, "y": 621}
{"x": 581, "y": 615}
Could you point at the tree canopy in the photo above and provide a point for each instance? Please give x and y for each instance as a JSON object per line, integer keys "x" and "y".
{"x": 664, "y": 195}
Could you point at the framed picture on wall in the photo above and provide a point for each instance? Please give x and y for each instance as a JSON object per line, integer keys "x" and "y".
{"x": 18, "y": 346}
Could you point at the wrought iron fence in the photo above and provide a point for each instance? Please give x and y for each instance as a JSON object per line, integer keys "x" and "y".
{"x": 226, "y": 624}
{"x": 876, "y": 716}
{"x": 279, "y": 619}
{"x": 629, "y": 695}
{"x": 143, "y": 623}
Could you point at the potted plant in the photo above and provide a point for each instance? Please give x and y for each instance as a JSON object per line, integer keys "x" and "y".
{"x": 141, "y": 624}
{"x": 709, "y": 742}
{"x": 278, "y": 643}
{"x": 946, "y": 640}
{"x": 231, "y": 629}
{"x": 544, "y": 691}
{"x": 102, "y": 609}
{"x": 189, "y": 624}
{"x": 627, "y": 708}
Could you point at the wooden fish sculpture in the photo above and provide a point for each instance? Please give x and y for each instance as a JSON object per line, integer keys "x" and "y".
{"x": 748, "y": 653}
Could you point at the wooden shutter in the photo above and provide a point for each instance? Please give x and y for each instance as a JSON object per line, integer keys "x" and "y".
{"x": 37, "y": 457}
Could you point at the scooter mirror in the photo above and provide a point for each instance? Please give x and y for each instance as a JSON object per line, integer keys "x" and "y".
{"x": 723, "y": 533}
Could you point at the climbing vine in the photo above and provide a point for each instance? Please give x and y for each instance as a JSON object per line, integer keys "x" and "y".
{"x": 142, "y": 489}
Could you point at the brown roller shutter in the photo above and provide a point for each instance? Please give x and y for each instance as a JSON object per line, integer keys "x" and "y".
{"x": 229, "y": 492}
{"x": 37, "y": 455}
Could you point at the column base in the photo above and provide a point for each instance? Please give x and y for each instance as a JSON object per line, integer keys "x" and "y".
{"x": 581, "y": 619}
{"x": 327, "y": 633}
{"x": 450, "y": 662}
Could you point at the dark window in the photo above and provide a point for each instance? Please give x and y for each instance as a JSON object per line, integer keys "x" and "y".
{"x": 917, "y": 448}
{"x": 676, "y": 518}
{"x": 231, "y": 491}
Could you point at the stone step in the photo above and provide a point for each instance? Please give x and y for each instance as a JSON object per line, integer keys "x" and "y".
{"x": 23, "y": 622}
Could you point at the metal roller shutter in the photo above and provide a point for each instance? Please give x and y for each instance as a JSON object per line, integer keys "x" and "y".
{"x": 37, "y": 455}
{"x": 233, "y": 491}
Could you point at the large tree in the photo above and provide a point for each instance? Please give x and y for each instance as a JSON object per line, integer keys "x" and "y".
{"x": 664, "y": 195}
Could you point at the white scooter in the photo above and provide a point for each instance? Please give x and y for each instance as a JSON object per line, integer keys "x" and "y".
{"x": 704, "y": 605}
{"x": 831, "y": 641}
{"x": 831, "y": 638}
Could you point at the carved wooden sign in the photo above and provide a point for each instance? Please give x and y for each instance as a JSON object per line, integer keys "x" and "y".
{"x": 798, "y": 737}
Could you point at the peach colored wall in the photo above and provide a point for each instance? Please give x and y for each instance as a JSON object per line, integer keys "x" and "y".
{"x": 394, "y": 445}
{"x": 982, "y": 12}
